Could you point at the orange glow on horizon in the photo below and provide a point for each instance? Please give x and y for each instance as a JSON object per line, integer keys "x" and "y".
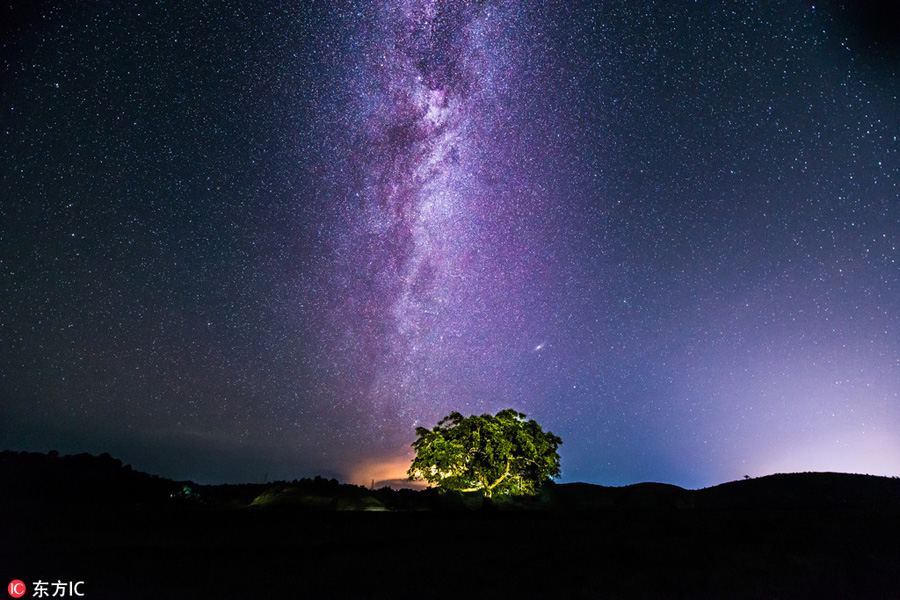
{"x": 385, "y": 471}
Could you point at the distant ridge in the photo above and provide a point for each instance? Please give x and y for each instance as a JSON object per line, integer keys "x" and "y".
{"x": 804, "y": 490}
{"x": 776, "y": 492}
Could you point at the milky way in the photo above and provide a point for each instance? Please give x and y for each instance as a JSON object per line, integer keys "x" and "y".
{"x": 245, "y": 241}
{"x": 429, "y": 280}
{"x": 411, "y": 240}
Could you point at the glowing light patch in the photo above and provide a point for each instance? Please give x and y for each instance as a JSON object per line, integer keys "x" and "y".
{"x": 849, "y": 452}
{"x": 385, "y": 471}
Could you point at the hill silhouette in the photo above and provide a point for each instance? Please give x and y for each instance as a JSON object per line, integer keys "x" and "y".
{"x": 135, "y": 535}
{"x": 80, "y": 479}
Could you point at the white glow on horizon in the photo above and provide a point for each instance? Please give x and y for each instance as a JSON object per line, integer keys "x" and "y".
{"x": 843, "y": 452}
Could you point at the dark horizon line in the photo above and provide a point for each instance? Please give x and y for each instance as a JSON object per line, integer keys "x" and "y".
{"x": 410, "y": 485}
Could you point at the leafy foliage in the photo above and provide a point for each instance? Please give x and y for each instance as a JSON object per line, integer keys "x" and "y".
{"x": 494, "y": 454}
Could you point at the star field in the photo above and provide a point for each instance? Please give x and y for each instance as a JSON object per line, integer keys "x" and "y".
{"x": 240, "y": 242}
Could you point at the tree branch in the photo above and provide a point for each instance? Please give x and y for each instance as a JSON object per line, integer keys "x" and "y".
{"x": 502, "y": 477}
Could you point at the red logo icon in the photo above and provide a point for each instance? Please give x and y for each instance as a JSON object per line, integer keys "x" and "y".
{"x": 16, "y": 588}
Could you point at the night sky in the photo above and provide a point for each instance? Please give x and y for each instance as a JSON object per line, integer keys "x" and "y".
{"x": 250, "y": 240}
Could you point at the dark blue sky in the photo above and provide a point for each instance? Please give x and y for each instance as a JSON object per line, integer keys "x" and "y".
{"x": 241, "y": 240}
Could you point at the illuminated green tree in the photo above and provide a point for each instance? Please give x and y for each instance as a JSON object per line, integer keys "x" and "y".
{"x": 494, "y": 454}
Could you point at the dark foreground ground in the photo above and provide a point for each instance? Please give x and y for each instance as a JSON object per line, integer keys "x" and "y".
{"x": 636, "y": 546}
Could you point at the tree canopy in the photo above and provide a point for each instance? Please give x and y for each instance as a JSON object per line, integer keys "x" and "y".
{"x": 494, "y": 454}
